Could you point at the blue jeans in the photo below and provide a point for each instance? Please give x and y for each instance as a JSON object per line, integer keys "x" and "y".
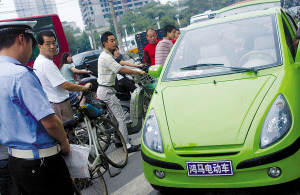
{"x": 7, "y": 185}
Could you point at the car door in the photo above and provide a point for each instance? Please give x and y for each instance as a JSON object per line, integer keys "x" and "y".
{"x": 91, "y": 59}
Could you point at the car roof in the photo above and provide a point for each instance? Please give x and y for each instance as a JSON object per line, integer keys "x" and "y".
{"x": 249, "y": 14}
{"x": 244, "y": 4}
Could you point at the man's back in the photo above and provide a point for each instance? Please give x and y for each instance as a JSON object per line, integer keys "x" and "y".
{"x": 30, "y": 106}
{"x": 162, "y": 51}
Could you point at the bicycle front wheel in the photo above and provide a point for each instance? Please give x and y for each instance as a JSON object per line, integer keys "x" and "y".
{"x": 111, "y": 142}
{"x": 95, "y": 185}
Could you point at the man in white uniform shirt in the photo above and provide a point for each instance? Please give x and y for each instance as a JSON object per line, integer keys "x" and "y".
{"x": 54, "y": 84}
{"x": 108, "y": 68}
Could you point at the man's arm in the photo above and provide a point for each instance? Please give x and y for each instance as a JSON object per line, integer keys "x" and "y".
{"x": 147, "y": 59}
{"x": 295, "y": 43}
{"x": 124, "y": 63}
{"x": 55, "y": 128}
{"x": 72, "y": 87}
{"x": 129, "y": 71}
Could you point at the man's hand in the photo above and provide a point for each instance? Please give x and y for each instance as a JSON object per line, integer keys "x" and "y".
{"x": 65, "y": 148}
{"x": 88, "y": 87}
{"x": 142, "y": 72}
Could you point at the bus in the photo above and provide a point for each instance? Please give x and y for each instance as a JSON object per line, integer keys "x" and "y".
{"x": 130, "y": 45}
{"x": 47, "y": 22}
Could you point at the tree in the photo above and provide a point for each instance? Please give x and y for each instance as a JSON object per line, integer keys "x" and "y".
{"x": 71, "y": 40}
{"x": 97, "y": 39}
{"x": 83, "y": 42}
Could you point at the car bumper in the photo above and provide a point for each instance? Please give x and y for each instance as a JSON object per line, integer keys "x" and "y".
{"x": 248, "y": 172}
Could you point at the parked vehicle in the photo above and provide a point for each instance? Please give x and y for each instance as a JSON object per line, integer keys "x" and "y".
{"x": 202, "y": 17}
{"x": 130, "y": 45}
{"x": 89, "y": 57}
{"x": 48, "y": 22}
{"x": 225, "y": 111}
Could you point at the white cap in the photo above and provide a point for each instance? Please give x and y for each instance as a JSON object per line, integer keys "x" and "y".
{"x": 13, "y": 27}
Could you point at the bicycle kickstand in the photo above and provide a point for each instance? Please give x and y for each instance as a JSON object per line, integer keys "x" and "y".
{"x": 113, "y": 174}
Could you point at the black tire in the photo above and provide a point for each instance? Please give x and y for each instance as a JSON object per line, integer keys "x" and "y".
{"x": 95, "y": 185}
{"x": 109, "y": 138}
{"x": 160, "y": 188}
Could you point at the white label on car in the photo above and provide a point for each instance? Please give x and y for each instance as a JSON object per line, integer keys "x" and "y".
{"x": 187, "y": 73}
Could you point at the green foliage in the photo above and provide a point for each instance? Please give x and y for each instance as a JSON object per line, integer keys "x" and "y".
{"x": 97, "y": 39}
{"x": 71, "y": 40}
{"x": 83, "y": 42}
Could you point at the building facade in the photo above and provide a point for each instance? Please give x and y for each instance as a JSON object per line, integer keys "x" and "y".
{"x": 97, "y": 11}
{"x": 25, "y": 8}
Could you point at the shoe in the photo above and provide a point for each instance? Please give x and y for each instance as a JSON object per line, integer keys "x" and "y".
{"x": 119, "y": 144}
{"x": 134, "y": 148}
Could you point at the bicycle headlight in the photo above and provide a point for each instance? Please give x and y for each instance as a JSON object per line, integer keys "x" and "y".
{"x": 277, "y": 122}
{"x": 151, "y": 133}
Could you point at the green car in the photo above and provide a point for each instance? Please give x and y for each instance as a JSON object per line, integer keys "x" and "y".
{"x": 225, "y": 112}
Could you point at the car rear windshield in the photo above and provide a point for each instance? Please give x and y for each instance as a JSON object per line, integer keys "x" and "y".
{"x": 78, "y": 58}
{"x": 225, "y": 48}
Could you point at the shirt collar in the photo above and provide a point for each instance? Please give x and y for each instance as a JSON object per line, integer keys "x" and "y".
{"x": 105, "y": 50}
{"x": 9, "y": 60}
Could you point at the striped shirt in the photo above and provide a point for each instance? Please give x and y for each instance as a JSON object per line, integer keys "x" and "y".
{"x": 162, "y": 51}
{"x": 107, "y": 69}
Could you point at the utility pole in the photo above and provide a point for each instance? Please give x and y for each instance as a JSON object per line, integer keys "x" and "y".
{"x": 89, "y": 22}
{"x": 114, "y": 17}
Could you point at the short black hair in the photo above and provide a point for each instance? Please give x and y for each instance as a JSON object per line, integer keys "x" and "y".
{"x": 104, "y": 37}
{"x": 45, "y": 33}
{"x": 168, "y": 28}
{"x": 7, "y": 40}
{"x": 148, "y": 30}
{"x": 177, "y": 30}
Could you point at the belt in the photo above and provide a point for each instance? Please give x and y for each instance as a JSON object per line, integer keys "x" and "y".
{"x": 60, "y": 102}
{"x": 105, "y": 85}
{"x": 42, "y": 152}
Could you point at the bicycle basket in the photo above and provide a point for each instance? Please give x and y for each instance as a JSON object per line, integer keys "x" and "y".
{"x": 147, "y": 79}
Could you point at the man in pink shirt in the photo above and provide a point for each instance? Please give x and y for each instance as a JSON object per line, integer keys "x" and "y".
{"x": 149, "y": 50}
{"x": 164, "y": 47}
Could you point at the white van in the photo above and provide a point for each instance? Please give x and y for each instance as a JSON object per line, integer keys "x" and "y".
{"x": 202, "y": 17}
{"x": 130, "y": 45}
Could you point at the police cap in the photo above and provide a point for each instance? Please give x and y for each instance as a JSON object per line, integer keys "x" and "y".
{"x": 18, "y": 27}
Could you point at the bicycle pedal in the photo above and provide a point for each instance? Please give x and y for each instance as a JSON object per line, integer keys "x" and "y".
{"x": 114, "y": 174}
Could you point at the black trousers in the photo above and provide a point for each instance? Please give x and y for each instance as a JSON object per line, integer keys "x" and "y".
{"x": 7, "y": 185}
{"x": 47, "y": 176}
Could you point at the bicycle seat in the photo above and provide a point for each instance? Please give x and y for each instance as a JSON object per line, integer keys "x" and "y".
{"x": 70, "y": 123}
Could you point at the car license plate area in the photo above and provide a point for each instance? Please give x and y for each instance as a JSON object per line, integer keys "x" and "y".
{"x": 209, "y": 168}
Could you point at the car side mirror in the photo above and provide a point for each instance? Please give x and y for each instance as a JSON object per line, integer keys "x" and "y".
{"x": 155, "y": 70}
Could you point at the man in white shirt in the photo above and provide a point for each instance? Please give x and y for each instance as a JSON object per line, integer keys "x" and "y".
{"x": 108, "y": 68}
{"x": 54, "y": 84}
